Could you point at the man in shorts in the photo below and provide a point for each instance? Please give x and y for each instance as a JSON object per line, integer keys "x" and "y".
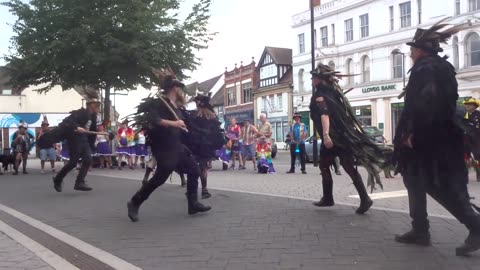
{"x": 249, "y": 133}
{"x": 47, "y": 153}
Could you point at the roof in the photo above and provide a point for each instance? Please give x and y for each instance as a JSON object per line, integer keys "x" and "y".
{"x": 280, "y": 56}
{"x": 218, "y": 98}
{"x": 288, "y": 77}
{"x": 203, "y": 87}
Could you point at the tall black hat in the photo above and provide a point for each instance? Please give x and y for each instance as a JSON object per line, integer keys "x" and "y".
{"x": 203, "y": 101}
{"x": 430, "y": 39}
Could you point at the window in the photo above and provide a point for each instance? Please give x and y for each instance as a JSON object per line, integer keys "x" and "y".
{"x": 366, "y": 69}
{"x": 279, "y": 102}
{"x": 455, "y": 53}
{"x": 473, "y": 50}
{"x": 363, "y": 114}
{"x": 331, "y": 64}
{"x": 349, "y": 30}
{"x": 364, "y": 26}
{"x": 301, "y": 43}
{"x": 419, "y": 4}
{"x": 406, "y": 15}
{"x": 457, "y": 7}
{"x": 301, "y": 81}
{"x": 397, "y": 64}
{"x": 264, "y": 104}
{"x": 333, "y": 34}
{"x": 391, "y": 18}
{"x": 324, "y": 32}
{"x": 315, "y": 37}
{"x": 473, "y": 5}
{"x": 350, "y": 70}
{"x": 231, "y": 100}
{"x": 247, "y": 92}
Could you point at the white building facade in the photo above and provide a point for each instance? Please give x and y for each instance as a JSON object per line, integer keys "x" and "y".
{"x": 367, "y": 37}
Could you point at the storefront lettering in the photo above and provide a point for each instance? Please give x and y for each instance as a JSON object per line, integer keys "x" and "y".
{"x": 379, "y": 88}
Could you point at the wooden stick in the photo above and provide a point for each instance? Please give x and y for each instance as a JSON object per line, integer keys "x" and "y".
{"x": 94, "y": 133}
{"x": 171, "y": 110}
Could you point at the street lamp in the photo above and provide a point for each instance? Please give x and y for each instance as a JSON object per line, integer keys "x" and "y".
{"x": 114, "y": 94}
{"x": 312, "y": 33}
{"x": 403, "y": 64}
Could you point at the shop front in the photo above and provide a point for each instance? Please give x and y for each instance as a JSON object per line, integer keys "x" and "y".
{"x": 240, "y": 116}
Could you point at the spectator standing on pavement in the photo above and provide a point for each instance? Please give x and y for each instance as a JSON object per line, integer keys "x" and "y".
{"x": 265, "y": 128}
{"x": 234, "y": 133}
{"x": 165, "y": 133}
{"x": 140, "y": 148}
{"x": 22, "y": 144}
{"x": 249, "y": 133}
{"x": 125, "y": 145}
{"x": 342, "y": 136}
{"x": 472, "y": 119}
{"x": 429, "y": 143}
{"x": 298, "y": 134}
{"x": 104, "y": 151}
{"x": 77, "y": 128}
{"x": 47, "y": 153}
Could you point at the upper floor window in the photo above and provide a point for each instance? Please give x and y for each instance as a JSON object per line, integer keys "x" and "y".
{"x": 301, "y": 81}
{"x": 456, "y": 53}
{"x": 324, "y": 33}
{"x": 397, "y": 64}
{"x": 473, "y": 5}
{"x": 405, "y": 15}
{"x": 457, "y": 7}
{"x": 419, "y": 6}
{"x": 231, "y": 96}
{"x": 350, "y": 71}
{"x": 333, "y": 34}
{"x": 364, "y": 26}
{"x": 301, "y": 43}
{"x": 392, "y": 18}
{"x": 349, "y": 30}
{"x": 247, "y": 92}
{"x": 279, "y": 102}
{"x": 472, "y": 50}
{"x": 315, "y": 38}
{"x": 366, "y": 69}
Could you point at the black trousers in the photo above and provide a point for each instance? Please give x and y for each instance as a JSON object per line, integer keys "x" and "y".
{"x": 78, "y": 148}
{"x": 327, "y": 158}
{"x": 451, "y": 193}
{"x": 181, "y": 160}
{"x": 293, "y": 156}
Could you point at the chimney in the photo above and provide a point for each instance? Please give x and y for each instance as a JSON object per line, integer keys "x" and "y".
{"x": 316, "y": 3}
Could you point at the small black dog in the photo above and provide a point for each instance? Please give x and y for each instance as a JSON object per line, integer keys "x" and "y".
{"x": 7, "y": 160}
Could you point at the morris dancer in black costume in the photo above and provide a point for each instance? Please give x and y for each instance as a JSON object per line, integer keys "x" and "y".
{"x": 429, "y": 142}
{"x": 81, "y": 144}
{"x": 164, "y": 119}
{"x": 342, "y": 136}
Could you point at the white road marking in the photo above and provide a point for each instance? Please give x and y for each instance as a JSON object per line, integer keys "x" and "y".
{"x": 40, "y": 251}
{"x": 384, "y": 195}
{"x": 86, "y": 248}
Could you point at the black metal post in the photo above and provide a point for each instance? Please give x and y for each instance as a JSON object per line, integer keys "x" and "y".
{"x": 312, "y": 29}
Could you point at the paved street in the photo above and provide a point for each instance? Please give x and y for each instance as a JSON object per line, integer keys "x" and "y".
{"x": 244, "y": 231}
{"x": 14, "y": 256}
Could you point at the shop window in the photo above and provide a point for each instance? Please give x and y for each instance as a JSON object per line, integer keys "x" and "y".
{"x": 397, "y": 109}
{"x": 363, "y": 114}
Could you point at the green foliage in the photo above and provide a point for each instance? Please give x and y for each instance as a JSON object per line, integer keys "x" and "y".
{"x": 103, "y": 44}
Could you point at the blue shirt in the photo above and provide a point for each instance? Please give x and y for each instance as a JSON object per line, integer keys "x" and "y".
{"x": 296, "y": 130}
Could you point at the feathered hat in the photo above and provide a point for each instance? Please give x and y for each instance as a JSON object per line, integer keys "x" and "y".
{"x": 203, "y": 101}
{"x": 92, "y": 95}
{"x": 325, "y": 72}
{"x": 430, "y": 39}
{"x": 167, "y": 78}
{"x": 45, "y": 121}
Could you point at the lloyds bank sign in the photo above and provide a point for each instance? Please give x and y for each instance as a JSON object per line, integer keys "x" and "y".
{"x": 380, "y": 88}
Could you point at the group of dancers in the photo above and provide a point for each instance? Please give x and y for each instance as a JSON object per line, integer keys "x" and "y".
{"x": 429, "y": 142}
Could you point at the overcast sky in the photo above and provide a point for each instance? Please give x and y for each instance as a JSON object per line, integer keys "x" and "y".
{"x": 244, "y": 28}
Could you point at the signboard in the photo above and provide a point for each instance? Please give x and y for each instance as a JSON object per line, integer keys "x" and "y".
{"x": 380, "y": 88}
{"x": 358, "y": 112}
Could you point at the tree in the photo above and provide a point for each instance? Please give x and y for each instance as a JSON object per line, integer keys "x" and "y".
{"x": 103, "y": 44}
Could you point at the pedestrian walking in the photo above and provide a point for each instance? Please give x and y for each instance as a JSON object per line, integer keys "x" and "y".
{"x": 77, "y": 128}
{"x": 49, "y": 153}
{"x": 163, "y": 117}
{"x": 298, "y": 134}
{"x": 342, "y": 136}
{"x": 429, "y": 142}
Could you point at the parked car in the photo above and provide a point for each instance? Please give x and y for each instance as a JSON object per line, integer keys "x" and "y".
{"x": 309, "y": 148}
